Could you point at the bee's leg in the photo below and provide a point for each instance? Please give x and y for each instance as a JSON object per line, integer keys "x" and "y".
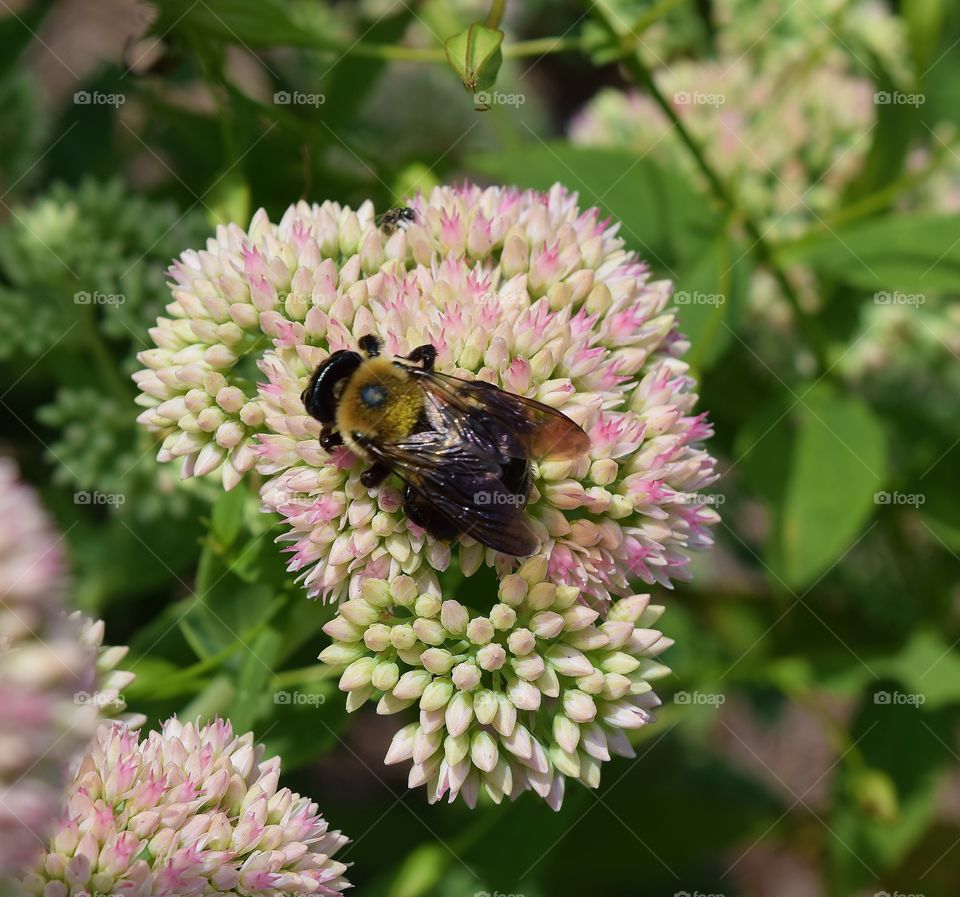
{"x": 425, "y": 516}
{"x": 426, "y": 355}
{"x": 374, "y": 475}
{"x": 330, "y": 439}
{"x": 370, "y": 344}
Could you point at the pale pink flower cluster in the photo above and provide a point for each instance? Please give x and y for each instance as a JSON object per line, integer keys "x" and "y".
{"x": 519, "y": 288}
{"x": 43, "y": 666}
{"x": 185, "y": 812}
{"x": 537, "y": 689}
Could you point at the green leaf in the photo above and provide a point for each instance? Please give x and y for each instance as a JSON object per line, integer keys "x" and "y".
{"x": 17, "y": 30}
{"x": 257, "y": 661}
{"x": 929, "y": 666}
{"x": 893, "y": 134}
{"x": 226, "y": 519}
{"x": 253, "y": 23}
{"x": 708, "y": 296}
{"x": 475, "y": 56}
{"x": 884, "y": 803}
{"x": 839, "y": 463}
{"x": 229, "y": 200}
{"x": 661, "y": 215}
{"x": 925, "y": 21}
{"x": 908, "y": 254}
{"x": 421, "y": 871}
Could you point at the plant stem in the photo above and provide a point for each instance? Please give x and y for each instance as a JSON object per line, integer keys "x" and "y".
{"x": 495, "y": 16}
{"x": 315, "y": 673}
{"x": 657, "y": 11}
{"x": 537, "y": 47}
{"x": 762, "y": 248}
{"x": 102, "y": 357}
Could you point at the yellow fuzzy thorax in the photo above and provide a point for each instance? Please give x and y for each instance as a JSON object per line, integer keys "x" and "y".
{"x": 381, "y": 401}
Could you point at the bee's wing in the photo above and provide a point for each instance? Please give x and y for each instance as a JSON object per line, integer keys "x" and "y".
{"x": 461, "y": 479}
{"x": 539, "y": 430}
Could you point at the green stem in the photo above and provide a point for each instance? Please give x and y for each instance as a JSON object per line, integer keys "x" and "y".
{"x": 315, "y": 673}
{"x": 652, "y": 15}
{"x": 761, "y": 248}
{"x": 495, "y": 16}
{"x": 101, "y": 355}
{"x": 541, "y": 46}
{"x": 537, "y": 47}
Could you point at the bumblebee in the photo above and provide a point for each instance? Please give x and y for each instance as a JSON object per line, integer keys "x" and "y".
{"x": 393, "y": 219}
{"x": 462, "y": 448}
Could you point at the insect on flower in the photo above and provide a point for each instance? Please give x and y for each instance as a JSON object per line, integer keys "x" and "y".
{"x": 396, "y": 218}
{"x": 461, "y": 447}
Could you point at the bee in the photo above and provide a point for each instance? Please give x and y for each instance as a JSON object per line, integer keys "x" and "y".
{"x": 393, "y": 219}
{"x": 462, "y": 448}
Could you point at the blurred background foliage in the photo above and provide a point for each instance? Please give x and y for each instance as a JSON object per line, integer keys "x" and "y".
{"x": 793, "y": 167}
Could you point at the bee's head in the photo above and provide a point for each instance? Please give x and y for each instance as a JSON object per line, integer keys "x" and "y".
{"x": 327, "y": 384}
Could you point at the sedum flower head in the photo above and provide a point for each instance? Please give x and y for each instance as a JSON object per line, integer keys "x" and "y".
{"x": 43, "y": 666}
{"x": 519, "y": 288}
{"x": 109, "y": 680}
{"x": 186, "y": 811}
{"x": 533, "y": 690}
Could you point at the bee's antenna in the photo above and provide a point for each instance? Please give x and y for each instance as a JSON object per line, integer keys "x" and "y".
{"x": 371, "y": 345}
